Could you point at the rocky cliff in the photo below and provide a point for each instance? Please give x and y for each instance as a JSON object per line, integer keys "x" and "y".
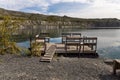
{"x": 51, "y": 21}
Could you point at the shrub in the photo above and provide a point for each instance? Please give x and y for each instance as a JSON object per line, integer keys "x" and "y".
{"x": 36, "y": 49}
{"x": 7, "y": 28}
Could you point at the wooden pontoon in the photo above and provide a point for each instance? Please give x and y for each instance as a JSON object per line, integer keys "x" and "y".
{"x": 79, "y": 45}
{"x": 72, "y": 44}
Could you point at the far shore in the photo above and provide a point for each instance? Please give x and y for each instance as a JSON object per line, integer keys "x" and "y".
{"x": 104, "y": 28}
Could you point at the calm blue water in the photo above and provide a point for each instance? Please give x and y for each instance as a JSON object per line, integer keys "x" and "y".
{"x": 108, "y": 41}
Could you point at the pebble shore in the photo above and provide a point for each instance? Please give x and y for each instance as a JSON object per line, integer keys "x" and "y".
{"x": 14, "y": 67}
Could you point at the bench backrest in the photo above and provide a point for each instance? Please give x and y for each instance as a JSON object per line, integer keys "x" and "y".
{"x": 73, "y": 40}
{"x": 64, "y": 35}
{"x": 90, "y": 40}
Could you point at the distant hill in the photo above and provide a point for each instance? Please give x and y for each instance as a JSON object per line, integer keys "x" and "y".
{"x": 65, "y": 21}
{"x": 17, "y": 14}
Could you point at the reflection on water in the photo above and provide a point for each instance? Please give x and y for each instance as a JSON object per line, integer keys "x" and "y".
{"x": 106, "y": 37}
{"x": 56, "y": 40}
{"x": 25, "y": 44}
{"x": 110, "y": 52}
{"x": 108, "y": 40}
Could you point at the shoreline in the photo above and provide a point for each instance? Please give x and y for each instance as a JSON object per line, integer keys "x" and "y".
{"x": 14, "y": 67}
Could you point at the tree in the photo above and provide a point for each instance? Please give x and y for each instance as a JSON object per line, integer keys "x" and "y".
{"x": 8, "y": 28}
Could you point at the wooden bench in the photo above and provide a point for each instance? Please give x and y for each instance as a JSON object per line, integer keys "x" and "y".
{"x": 116, "y": 65}
{"x": 64, "y": 35}
{"x": 91, "y": 43}
{"x": 73, "y": 41}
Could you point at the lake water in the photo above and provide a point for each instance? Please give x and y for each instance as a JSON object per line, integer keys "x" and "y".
{"x": 108, "y": 41}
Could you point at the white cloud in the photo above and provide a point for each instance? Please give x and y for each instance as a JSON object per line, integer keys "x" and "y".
{"x": 81, "y": 1}
{"x": 104, "y": 8}
{"x": 21, "y": 4}
{"x": 96, "y": 8}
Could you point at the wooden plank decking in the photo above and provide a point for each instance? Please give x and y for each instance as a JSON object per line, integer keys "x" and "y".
{"x": 60, "y": 49}
{"x": 48, "y": 54}
{"x": 72, "y": 44}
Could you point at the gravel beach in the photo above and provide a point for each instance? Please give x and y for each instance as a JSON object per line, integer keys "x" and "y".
{"x": 14, "y": 67}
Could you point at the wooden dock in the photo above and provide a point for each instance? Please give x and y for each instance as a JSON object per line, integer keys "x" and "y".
{"x": 60, "y": 49}
{"x": 74, "y": 44}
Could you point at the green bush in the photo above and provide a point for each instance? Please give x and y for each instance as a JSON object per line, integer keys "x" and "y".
{"x": 36, "y": 49}
{"x": 7, "y": 28}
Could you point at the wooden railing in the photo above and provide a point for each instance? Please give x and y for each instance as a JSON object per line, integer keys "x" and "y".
{"x": 64, "y": 35}
{"x": 81, "y": 42}
{"x": 73, "y": 41}
{"x": 91, "y": 42}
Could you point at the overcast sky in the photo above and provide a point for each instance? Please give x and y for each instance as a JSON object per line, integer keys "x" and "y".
{"x": 73, "y": 8}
